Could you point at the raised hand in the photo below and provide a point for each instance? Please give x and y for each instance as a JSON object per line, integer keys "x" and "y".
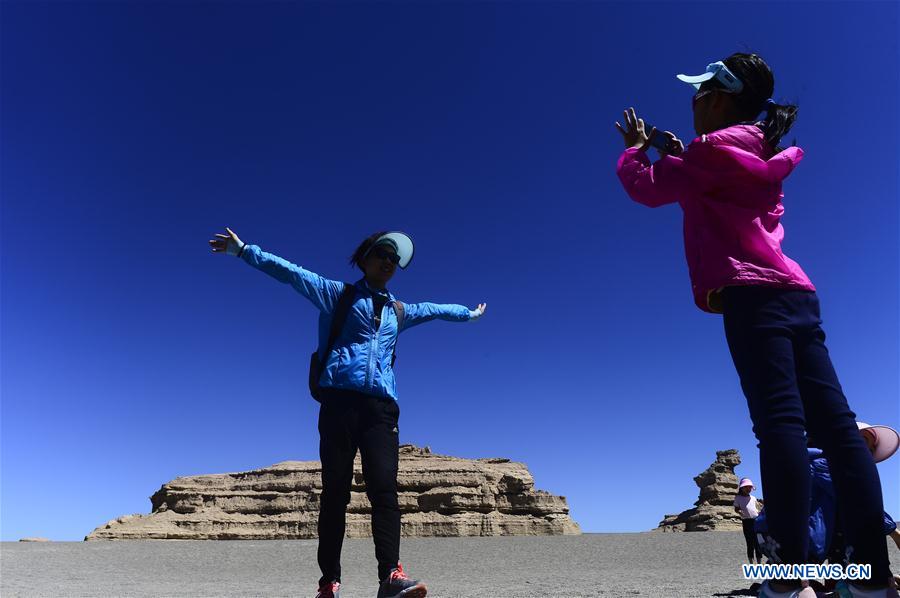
{"x": 633, "y": 133}
{"x": 477, "y": 312}
{"x": 229, "y": 243}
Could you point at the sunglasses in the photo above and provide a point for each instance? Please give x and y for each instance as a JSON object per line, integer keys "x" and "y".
{"x": 386, "y": 255}
{"x": 705, "y": 92}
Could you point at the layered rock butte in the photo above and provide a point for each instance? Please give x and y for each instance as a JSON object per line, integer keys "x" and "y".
{"x": 714, "y": 509}
{"x": 439, "y": 496}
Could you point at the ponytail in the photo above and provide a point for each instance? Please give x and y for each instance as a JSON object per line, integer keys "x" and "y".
{"x": 759, "y": 84}
{"x": 778, "y": 122}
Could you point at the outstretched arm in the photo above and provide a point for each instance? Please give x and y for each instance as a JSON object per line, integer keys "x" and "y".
{"x": 322, "y": 292}
{"x": 418, "y": 313}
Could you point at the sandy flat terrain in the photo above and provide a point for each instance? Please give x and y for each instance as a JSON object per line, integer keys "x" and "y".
{"x": 646, "y": 564}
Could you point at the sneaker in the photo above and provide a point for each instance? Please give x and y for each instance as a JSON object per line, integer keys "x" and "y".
{"x": 767, "y": 592}
{"x": 398, "y": 584}
{"x": 329, "y": 590}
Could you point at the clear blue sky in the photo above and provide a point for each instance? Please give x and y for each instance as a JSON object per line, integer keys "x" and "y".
{"x": 131, "y": 133}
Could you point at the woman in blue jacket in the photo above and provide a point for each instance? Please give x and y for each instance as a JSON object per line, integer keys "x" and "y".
{"x": 357, "y": 393}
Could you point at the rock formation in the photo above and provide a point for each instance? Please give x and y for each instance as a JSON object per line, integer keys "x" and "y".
{"x": 439, "y": 496}
{"x": 714, "y": 509}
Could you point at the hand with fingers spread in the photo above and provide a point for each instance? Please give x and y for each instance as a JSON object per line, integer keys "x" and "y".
{"x": 229, "y": 243}
{"x": 477, "y": 312}
{"x": 633, "y": 132}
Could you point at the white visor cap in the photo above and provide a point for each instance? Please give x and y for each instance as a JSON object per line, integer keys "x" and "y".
{"x": 401, "y": 243}
{"x": 720, "y": 72}
{"x": 887, "y": 440}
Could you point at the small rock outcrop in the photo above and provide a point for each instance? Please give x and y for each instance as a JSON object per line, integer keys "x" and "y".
{"x": 714, "y": 509}
{"x": 439, "y": 496}
{"x": 33, "y": 540}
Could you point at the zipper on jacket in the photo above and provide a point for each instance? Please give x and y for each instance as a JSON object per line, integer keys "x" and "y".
{"x": 377, "y": 342}
{"x": 371, "y": 306}
{"x": 373, "y": 348}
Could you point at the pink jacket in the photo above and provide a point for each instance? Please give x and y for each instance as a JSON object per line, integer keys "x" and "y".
{"x": 729, "y": 186}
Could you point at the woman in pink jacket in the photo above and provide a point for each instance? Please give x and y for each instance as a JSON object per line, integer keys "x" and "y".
{"x": 728, "y": 183}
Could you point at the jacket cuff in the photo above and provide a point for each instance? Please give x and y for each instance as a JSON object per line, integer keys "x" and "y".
{"x": 247, "y": 251}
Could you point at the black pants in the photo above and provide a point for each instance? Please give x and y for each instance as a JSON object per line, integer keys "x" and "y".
{"x": 349, "y": 421}
{"x": 778, "y": 347}
{"x": 750, "y": 539}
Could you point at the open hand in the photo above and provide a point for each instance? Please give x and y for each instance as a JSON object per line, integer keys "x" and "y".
{"x": 229, "y": 243}
{"x": 477, "y": 312}
{"x": 633, "y": 133}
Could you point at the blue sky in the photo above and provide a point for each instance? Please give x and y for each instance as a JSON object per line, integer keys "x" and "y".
{"x": 131, "y": 133}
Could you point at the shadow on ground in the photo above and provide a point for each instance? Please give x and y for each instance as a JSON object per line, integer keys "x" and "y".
{"x": 753, "y": 590}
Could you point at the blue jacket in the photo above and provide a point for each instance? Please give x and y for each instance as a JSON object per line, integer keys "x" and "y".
{"x": 361, "y": 357}
{"x": 823, "y": 522}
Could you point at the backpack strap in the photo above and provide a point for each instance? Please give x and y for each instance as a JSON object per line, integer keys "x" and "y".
{"x": 398, "y": 309}
{"x": 337, "y": 321}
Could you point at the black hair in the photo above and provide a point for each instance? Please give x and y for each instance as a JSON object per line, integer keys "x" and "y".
{"x": 759, "y": 84}
{"x": 363, "y": 249}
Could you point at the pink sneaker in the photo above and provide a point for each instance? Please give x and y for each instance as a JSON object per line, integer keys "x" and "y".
{"x": 329, "y": 590}
{"x": 398, "y": 584}
{"x": 766, "y": 591}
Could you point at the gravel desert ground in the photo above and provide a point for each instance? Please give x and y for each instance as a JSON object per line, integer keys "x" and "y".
{"x": 640, "y": 564}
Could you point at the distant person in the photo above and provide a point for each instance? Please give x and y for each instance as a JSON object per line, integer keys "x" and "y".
{"x": 728, "y": 183}
{"x": 352, "y": 376}
{"x": 746, "y": 505}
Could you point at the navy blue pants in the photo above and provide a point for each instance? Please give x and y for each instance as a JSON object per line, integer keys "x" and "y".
{"x": 351, "y": 421}
{"x": 778, "y": 347}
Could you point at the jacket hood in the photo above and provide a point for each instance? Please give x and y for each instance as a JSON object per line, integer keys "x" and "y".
{"x": 741, "y": 155}
{"x": 744, "y": 148}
